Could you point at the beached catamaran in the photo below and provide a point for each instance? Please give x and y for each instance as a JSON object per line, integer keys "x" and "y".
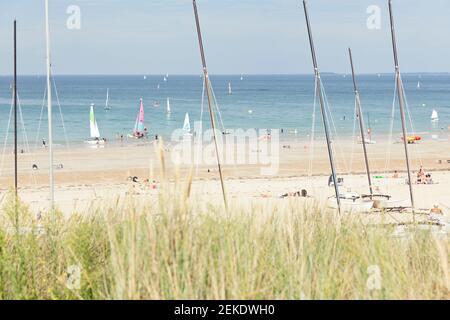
{"x": 139, "y": 131}
{"x": 401, "y": 99}
{"x": 381, "y": 201}
{"x": 341, "y": 202}
{"x": 95, "y": 133}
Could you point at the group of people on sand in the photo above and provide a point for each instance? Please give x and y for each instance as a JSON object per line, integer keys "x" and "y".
{"x": 424, "y": 178}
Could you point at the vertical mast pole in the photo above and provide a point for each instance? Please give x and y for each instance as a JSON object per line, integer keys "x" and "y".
{"x": 15, "y": 109}
{"x": 49, "y": 109}
{"x": 361, "y": 122}
{"x": 401, "y": 103}
{"x": 208, "y": 93}
{"x": 322, "y": 107}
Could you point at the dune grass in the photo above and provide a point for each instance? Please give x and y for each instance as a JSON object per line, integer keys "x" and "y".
{"x": 177, "y": 247}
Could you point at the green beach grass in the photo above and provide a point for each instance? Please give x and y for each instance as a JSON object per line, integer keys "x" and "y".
{"x": 181, "y": 248}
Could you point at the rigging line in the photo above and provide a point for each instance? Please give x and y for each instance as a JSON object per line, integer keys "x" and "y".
{"x": 390, "y": 139}
{"x": 199, "y": 157}
{"x": 63, "y": 125}
{"x": 216, "y": 105}
{"x": 40, "y": 118}
{"x": 7, "y": 135}
{"x": 24, "y": 132}
{"x": 354, "y": 142}
{"x": 416, "y": 149}
{"x": 336, "y": 140}
{"x": 313, "y": 130}
{"x": 313, "y": 137}
{"x": 25, "y": 137}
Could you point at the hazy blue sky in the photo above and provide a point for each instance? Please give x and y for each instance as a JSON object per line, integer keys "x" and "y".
{"x": 240, "y": 36}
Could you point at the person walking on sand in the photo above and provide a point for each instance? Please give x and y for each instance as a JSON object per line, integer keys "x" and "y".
{"x": 44, "y": 144}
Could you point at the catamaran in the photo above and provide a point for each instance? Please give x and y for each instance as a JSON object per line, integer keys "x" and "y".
{"x": 379, "y": 200}
{"x": 187, "y": 125}
{"x": 434, "y": 116}
{"x": 107, "y": 106}
{"x": 139, "y": 131}
{"x": 95, "y": 133}
{"x": 348, "y": 202}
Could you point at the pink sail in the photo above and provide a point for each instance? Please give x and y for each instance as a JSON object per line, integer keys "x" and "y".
{"x": 139, "y": 127}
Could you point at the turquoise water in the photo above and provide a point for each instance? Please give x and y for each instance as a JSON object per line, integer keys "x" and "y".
{"x": 277, "y": 101}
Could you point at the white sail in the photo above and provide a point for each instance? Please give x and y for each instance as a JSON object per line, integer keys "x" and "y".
{"x": 107, "y": 107}
{"x": 434, "y": 116}
{"x": 418, "y": 85}
{"x": 229, "y": 88}
{"x": 95, "y": 133}
{"x": 187, "y": 124}
{"x": 168, "y": 106}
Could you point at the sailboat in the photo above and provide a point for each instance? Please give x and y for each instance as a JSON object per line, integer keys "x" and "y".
{"x": 95, "y": 133}
{"x": 187, "y": 125}
{"x": 230, "y": 91}
{"x": 418, "y": 85}
{"x": 434, "y": 116}
{"x": 107, "y": 107}
{"x": 168, "y": 106}
{"x": 368, "y": 140}
{"x": 139, "y": 131}
{"x": 242, "y": 77}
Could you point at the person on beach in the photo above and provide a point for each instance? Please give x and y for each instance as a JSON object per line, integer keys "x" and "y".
{"x": 436, "y": 210}
{"x": 44, "y": 144}
{"x": 395, "y": 175}
{"x": 421, "y": 176}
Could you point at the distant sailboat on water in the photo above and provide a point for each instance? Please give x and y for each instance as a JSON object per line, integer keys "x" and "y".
{"x": 418, "y": 85}
{"x": 107, "y": 107}
{"x": 230, "y": 91}
{"x": 434, "y": 116}
{"x": 187, "y": 124}
{"x": 139, "y": 131}
{"x": 242, "y": 77}
{"x": 168, "y": 106}
{"x": 94, "y": 132}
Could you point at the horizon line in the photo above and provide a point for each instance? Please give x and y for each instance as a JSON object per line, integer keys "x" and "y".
{"x": 215, "y": 74}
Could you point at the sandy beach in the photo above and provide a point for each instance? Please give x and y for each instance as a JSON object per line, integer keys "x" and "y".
{"x": 94, "y": 175}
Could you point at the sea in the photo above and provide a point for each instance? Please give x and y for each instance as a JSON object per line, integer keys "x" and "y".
{"x": 284, "y": 102}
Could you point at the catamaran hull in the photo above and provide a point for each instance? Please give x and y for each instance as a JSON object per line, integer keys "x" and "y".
{"x": 348, "y": 205}
{"x": 95, "y": 142}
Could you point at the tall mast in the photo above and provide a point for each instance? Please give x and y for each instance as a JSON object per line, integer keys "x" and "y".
{"x": 361, "y": 122}
{"x": 208, "y": 93}
{"x": 401, "y": 100}
{"x": 15, "y": 108}
{"x": 322, "y": 107}
{"x": 49, "y": 109}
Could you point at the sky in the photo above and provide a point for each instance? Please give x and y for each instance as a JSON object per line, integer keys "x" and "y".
{"x": 240, "y": 36}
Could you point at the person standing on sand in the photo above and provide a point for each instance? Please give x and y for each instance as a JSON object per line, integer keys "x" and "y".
{"x": 44, "y": 143}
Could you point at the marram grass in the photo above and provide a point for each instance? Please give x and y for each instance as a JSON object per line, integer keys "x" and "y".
{"x": 176, "y": 247}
